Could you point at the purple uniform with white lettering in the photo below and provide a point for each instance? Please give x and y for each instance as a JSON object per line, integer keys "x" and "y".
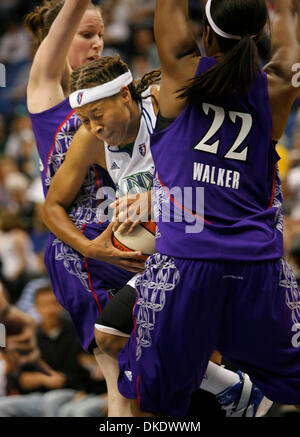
{"x": 80, "y": 284}
{"x": 218, "y": 281}
{"x": 229, "y": 154}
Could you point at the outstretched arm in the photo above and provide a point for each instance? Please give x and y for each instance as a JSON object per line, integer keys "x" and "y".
{"x": 84, "y": 151}
{"x": 285, "y": 53}
{"x": 50, "y": 62}
{"x": 178, "y": 52}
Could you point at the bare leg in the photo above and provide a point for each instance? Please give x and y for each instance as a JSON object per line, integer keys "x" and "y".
{"x": 110, "y": 344}
{"x": 118, "y": 406}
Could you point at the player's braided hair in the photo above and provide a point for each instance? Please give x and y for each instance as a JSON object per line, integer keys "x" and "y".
{"x": 240, "y": 61}
{"x": 39, "y": 21}
{"x": 106, "y": 69}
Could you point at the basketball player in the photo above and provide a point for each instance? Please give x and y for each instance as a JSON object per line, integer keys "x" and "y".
{"x": 119, "y": 115}
{"x": 230, "y": 290}
{"x": 69, "y": 34}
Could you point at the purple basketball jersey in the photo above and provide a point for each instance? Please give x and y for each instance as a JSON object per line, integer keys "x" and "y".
{"x": 217, "y": 190}
{"x": 54, "y": 130}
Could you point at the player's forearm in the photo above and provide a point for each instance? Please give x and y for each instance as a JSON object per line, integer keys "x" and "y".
{"x": 285, "y": 47}
{"x": 171, "y": 7}
{"x": 172, "y": 30}
{"x": 296, "y": 8}
{"x": 285, "y": 6}
{"x": 59, "y": 223}
{"x": 285, "y": 31}
{"x": 168, "y": 15}
{"x": 57, "y": 44}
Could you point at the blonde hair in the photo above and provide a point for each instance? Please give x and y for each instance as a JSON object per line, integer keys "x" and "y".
{"x": 39, "y": 21}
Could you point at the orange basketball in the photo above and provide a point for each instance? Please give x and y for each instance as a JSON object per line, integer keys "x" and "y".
{"x": 142, "y": 238}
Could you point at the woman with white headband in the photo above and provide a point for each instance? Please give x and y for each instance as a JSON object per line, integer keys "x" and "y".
{"x": 119, "y": 114}
{"x": 218, "y": 279}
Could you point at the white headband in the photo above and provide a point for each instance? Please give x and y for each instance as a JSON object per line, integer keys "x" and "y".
{"x": 83, "y": 97}
{"x": 215, "y": 28}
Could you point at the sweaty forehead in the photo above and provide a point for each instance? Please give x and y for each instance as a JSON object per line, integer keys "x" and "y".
{"x": 99, "y": 106}
{"x": 90, "y": 109}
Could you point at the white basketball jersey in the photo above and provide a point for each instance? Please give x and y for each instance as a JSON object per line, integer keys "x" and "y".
{"x": 132, "y": 167}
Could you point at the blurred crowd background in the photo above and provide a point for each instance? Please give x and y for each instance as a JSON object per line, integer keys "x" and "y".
{"x": 23, "y": 236}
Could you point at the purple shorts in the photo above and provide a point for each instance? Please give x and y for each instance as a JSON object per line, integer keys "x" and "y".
{"x": 81, "y": 286}
{"x": 186, "y": 309}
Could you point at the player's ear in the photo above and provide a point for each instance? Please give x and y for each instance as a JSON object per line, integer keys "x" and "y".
{"x": 125, "y": 94}
{"x": 209, "y": 41}
{"x": 207, "y": 37}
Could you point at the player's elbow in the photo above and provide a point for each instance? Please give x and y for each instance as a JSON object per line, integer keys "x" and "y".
{"x": 44, "y": 213}
{"x": 47, "y": 212}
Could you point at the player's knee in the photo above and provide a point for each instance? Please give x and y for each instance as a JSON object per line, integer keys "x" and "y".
{"x": 107, "y": 343}
{"x": 102, "y": 340}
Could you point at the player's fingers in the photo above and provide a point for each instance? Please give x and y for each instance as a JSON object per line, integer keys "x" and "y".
{"x": 116, "y": 225}
{"x": 119, "y": 204}
{"x": 123, "y": 216}
{"x": 133, "y": 226}
{"x": 128, "y": 255}
{"x": 125, "y": 226}
{"x": 114, "y": 204}
{"x": 132, "y": 266}
{"x": 110, "y": 227}
{"x": 134, "y": 263}
{"x": 116, "y": 212}
{"x": 134, "y": 210}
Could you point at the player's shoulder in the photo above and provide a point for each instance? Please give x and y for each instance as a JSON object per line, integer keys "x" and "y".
{"x": 86, "y": 139}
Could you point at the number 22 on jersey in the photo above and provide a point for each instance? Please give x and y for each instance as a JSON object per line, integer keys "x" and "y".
{"x": 219, "y": 118}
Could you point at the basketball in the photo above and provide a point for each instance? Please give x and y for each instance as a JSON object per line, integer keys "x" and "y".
{"x": 142, "y": 238}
